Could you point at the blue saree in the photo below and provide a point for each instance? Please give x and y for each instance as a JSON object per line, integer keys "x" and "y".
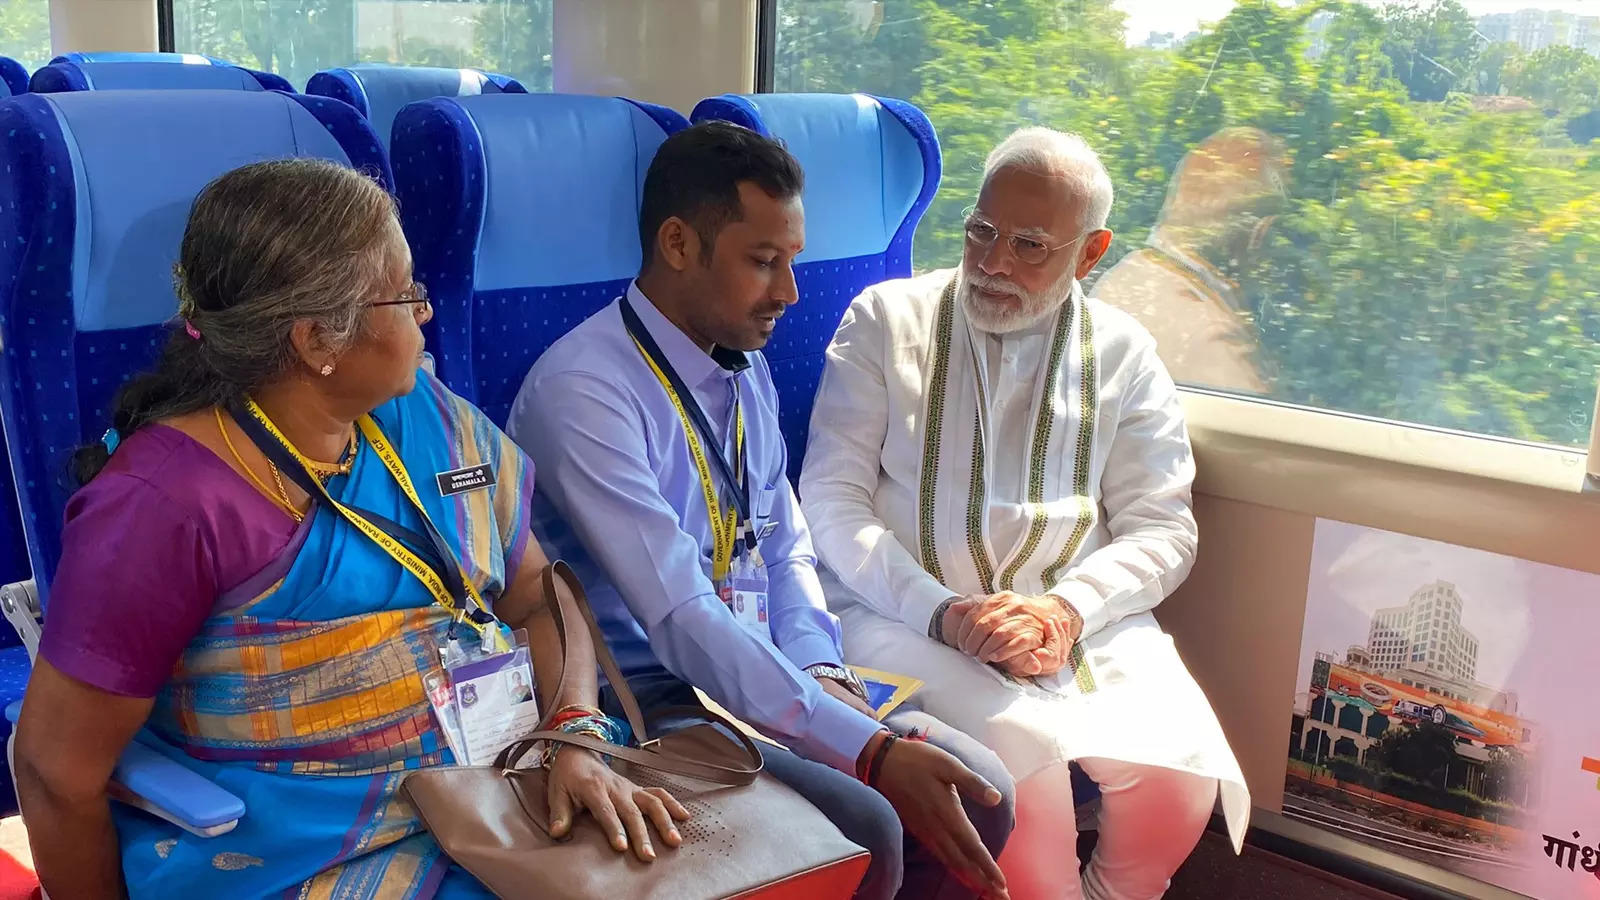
{"x": 305, "y": 697}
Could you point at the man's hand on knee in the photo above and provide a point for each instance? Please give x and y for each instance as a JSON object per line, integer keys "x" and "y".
{"x": 925, "y": 784}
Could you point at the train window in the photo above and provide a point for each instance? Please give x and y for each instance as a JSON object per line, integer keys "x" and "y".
{"x": 25, "y": 31}
{"x": 296, "y": 39}
{"x": 1390, "y": 210}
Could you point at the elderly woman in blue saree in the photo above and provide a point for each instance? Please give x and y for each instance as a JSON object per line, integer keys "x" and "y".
{"x": 236, "y": 610}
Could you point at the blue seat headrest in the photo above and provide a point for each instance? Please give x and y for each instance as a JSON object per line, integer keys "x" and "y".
{"x": 134, "y": 196}
{"x": 381, "y": 91}
{"x": 192, "y": 59}
{"x": 95, "y": 190}
{"x": 865, "y": 168}
{"x": 121, "y": 76}
{"x": 13, "y": 77}
{"x": 564, "y": 174}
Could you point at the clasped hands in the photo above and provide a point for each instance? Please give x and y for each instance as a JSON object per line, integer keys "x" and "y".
{"x": 1025, "y": 636}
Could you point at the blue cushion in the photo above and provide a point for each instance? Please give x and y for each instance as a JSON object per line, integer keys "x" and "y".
{"x": 864, "y": 169}
{"x": 872, "y": 167}
{"x": 189, "y": 59}
{"x": 94, "y": 194}
{"x": 13, "y": 77}
{"x": 381, "y": 91}
{"x": 14, "y": 669}
{"x": 520, "y": 212}
{"x": 122, "y": 76}
{"x": 174, "y": 787}
{"x": 124, "y": 250}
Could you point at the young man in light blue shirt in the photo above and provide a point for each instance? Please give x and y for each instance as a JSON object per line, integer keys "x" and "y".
{"x": 654, "y": 429}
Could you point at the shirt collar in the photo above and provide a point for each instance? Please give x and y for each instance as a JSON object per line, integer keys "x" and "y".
{"x": 693, "y": 364}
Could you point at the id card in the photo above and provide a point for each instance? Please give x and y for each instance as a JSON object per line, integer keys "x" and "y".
{"x": 745, "y": 595}
{"x": 484, "y": 701}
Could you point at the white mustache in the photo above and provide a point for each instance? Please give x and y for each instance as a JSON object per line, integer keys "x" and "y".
{"x": 994, "y": 285}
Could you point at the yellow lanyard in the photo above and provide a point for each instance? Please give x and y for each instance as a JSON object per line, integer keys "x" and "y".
{"x": 724, "y": 524}
{"x": 488, "y": 632}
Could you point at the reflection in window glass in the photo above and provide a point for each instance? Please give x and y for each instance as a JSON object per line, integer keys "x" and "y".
{"x": 1391, "y": 210}
{"x": 298, "y": 38}
{"x": 25, "y": 31}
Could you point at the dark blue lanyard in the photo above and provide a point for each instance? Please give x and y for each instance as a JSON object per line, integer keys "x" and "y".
{"x": 697, "y": 416}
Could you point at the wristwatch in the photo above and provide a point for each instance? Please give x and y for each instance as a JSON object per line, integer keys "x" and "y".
{"x": 840, "y": 674}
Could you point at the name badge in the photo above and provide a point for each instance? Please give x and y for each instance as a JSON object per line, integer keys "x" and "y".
{"x": 745, "y": 595}
{"x": 460, "y": 481}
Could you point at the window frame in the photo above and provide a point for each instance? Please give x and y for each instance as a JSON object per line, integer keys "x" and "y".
{"x": 166, "y": 34}
{"x": 766, "y": 40}
{"x": 766, "y": 45}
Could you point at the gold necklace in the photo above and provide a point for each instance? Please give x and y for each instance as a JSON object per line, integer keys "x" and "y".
{"x": 347, "y": 460}
{"x": 281, "y": 496}
{"x": 277, "y": 478}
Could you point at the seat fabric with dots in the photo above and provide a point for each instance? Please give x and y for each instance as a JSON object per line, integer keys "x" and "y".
{"x": 95, "y": 191}
{"x": 521, "y": 211}
{"x": 872, "y": 166}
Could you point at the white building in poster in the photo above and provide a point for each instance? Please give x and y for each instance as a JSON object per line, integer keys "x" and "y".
{"x": 1425, "y": 635}
{"x": 1423, "y": 644}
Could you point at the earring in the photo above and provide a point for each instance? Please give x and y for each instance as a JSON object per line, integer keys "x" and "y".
{"x": 327, "y": 369}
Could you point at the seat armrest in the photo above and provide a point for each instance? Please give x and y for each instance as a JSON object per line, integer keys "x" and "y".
{"x": 167, "y": 789}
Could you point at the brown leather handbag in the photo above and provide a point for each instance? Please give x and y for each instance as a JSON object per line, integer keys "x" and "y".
{"x": 749, "y": 834}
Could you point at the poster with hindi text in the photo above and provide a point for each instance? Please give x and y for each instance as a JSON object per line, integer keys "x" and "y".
{"x": 1443, "y": 709}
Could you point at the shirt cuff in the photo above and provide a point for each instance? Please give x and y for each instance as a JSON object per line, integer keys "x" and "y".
{"x": 810, "y": 649}
{"x": 839, "y": 732}
{"x": 920, "y": 603}
{"x": 1087, "y": 601}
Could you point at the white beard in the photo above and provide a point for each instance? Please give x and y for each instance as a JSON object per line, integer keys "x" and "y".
{"x": 1035, "y": 307}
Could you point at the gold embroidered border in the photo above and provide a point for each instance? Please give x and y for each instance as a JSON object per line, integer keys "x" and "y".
{"x": 1090, "y": 401}
{"x": 1039, "y": 451}
{"x": 976, "y": 495}
{"x": 934, "y": 421}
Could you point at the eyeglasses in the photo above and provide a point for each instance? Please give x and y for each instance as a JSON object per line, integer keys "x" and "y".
{"x": 416, "y": 292}
{"x": 983, "y": 233}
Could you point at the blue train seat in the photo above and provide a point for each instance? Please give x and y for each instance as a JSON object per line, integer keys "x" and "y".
{"x": 381, "y": 91}
{"x": 100, "y": 56}
{"x": 86, "y": 292}
{"x": 872, "y": 166}
{"x": 13, "y": 77}
{"x": 149, "y": 71}
{"x": 520, "y": 212}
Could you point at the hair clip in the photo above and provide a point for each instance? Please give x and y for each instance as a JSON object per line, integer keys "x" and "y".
{"x": 189, "y": 329}
{"x": 112, "y": 439}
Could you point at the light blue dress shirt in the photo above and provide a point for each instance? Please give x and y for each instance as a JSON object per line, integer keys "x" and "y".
{"x": 620, "y": 499}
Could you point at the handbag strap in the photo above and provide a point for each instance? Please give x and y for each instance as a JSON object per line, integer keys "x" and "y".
{"x": 572, "y": 604}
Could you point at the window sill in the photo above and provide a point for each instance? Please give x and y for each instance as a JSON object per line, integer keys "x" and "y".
{"x": 1523, "y": 499}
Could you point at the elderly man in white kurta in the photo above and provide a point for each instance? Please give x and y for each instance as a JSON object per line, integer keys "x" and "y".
{"x": 998, "y": 485}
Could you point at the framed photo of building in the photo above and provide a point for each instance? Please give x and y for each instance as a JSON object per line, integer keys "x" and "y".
{"x": 1444, "y": 709}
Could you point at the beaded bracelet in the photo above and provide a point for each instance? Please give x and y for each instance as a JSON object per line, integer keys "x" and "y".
{"x": 600, "y": 727}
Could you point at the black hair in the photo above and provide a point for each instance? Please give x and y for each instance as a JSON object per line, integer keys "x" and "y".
{"x": 695, "y": 176}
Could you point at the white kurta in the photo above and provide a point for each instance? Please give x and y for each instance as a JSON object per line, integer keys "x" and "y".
{"x": 1057, "y": 462}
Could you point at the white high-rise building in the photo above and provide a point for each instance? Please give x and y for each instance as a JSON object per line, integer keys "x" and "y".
{"x": 1425, "y": 635}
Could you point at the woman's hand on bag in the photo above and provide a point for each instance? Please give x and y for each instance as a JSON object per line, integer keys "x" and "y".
{"x": 580, "y": 780}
